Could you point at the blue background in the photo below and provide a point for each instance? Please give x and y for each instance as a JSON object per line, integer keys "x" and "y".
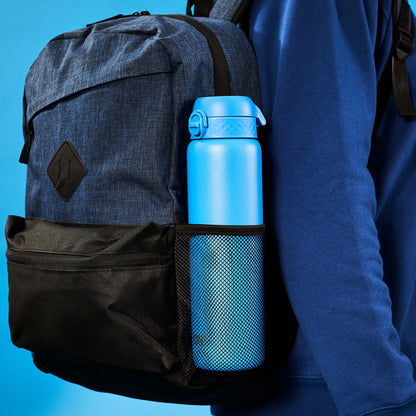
{"x": 25, "y": 29}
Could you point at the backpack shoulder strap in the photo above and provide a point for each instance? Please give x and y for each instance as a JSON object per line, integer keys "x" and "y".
{"x": 201, "y": 8}
{"x": 394, "y": 75}
{"x": 231, "y": 10}
{"x": 403, "y": 43}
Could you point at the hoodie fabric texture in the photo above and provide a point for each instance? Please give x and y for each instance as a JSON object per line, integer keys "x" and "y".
{"x": 345, "y": 233}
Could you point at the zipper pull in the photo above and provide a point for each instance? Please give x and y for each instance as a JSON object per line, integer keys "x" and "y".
{"x": 28, "y": 133}
{"x": 119, "y": 16}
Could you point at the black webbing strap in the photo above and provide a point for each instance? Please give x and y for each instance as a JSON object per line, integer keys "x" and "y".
{"x": 232, "y": 10}
{"x": 222, "y": 82}
{"x": 404, "y": 34}
{"x": 201, "y": 8}
{"x": 241, "y": 12}
{"x": 394, "y": 76}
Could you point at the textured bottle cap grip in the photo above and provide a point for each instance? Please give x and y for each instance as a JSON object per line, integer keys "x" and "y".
{"x": 221, "y": 127}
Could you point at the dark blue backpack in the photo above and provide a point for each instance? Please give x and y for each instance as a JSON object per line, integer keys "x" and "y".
{"x": 98, "y": 269}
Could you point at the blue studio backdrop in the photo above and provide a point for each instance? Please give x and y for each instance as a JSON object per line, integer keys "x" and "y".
{"x": 26, "y": 27}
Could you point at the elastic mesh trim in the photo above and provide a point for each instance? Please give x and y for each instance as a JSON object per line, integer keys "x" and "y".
{"x": 223, "y": 274}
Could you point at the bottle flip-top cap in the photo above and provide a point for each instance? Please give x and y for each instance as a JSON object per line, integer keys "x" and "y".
{"x": 225, "y": 117}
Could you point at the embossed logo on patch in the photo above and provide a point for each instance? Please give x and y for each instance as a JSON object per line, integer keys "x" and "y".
{"x": 66, "y": 170}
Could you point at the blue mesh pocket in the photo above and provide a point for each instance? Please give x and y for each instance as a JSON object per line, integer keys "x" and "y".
{"x": 220, "y": 282}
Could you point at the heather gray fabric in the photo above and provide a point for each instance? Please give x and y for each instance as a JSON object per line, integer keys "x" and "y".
{"x": 121, "y": 93}
{"x": 224, "y": 9}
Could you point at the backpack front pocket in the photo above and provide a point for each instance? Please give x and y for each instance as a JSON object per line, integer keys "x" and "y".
{"x": 98, "y": 293}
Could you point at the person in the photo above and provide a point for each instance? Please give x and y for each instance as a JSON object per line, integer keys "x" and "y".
{"x": 342, "y": 211}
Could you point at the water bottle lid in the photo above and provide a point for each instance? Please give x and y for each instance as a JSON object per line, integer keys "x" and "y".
{"x": 227, "y": 116}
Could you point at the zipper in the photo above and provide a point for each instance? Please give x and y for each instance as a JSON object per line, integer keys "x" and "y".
{"x": 221, "y": 69}
{"x": 222, "y": 83}
{"x": 29, "y": 132}
{"x": 120, "y": 16}
{"x": 74, "y": 262}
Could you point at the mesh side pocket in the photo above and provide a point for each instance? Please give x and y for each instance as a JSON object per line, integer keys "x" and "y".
{"x": 220, "y": 297}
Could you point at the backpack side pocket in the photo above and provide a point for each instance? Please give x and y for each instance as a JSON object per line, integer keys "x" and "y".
{"x": 219, "y": 276}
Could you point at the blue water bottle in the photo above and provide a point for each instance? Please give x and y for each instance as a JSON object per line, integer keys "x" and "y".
{"x": 226, "y": 266}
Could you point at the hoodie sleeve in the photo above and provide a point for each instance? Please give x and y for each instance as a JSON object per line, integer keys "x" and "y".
{"x": 319, "y": 84}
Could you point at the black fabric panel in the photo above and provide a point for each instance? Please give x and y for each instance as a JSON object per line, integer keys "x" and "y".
{"x": 97, "y": 305}
{"x": 209, "y": 388}
{"x": 94, "y": 293}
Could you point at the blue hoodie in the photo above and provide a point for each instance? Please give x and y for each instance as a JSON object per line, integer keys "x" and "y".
{"x": 346, "y": 235}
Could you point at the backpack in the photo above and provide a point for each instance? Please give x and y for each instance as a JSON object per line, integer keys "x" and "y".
{"x": 98, "y": 269}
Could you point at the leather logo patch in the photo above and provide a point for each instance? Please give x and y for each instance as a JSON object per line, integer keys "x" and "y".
{"x": 66, "y": 170}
